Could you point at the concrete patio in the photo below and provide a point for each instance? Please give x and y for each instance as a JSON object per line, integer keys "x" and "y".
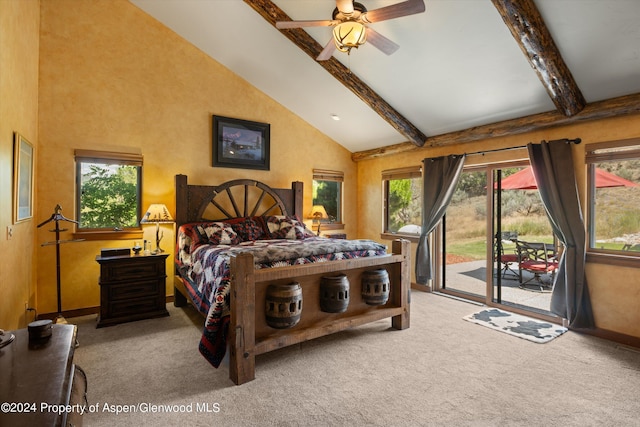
{"x": 471, "y": 276}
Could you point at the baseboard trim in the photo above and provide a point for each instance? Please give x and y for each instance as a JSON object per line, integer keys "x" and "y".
{"x": 82, "y": 311}
{"x": 71, "y": 313}
{"x": 616, "y": 337}
{"x": 423, "y": 288}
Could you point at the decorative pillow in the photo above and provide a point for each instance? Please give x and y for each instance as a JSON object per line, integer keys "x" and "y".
{"x": 185, "y": 244}
{"x": 308, "y": 233}
{"x": 285, "y": 227}
{"x": 217, "y": 233}
{"x": 248, "y": 229}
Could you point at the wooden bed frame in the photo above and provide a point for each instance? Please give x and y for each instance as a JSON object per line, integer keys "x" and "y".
{"x": 249, "y": 334}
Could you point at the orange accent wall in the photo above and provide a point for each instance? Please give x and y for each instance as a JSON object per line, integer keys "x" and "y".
{"x": 111, "y": 76}
{"x": 19, "y": 34}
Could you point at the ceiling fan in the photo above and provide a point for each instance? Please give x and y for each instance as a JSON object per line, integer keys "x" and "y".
{"x": 349, "y": 21}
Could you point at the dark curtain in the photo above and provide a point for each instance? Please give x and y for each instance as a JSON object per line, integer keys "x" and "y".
{"x": 440, "y": 177}
{"x": 553, "y": 169}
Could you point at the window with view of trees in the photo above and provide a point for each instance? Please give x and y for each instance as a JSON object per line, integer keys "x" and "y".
{"x": 108, "y": 190}
{"x": 327, "y": 192}
{"x": 403, "y": 199}
{"x": 614, "y": 196}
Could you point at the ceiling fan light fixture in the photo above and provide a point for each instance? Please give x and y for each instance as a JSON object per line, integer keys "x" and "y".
{"x": 349, "y": 34}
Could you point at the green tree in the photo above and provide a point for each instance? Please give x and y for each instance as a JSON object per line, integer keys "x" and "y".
{"x": 472, "y": 184}
{"x": 326, "y": 193}
{"x": 403, "y": 203}
{"x": 399, "y": 200}
{"x": 109, "y": 197}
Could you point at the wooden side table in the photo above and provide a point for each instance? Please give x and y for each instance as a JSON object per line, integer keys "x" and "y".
{"x": 132, "y": 287}
{"x": 35, "y": 375}
{"x": 337, "y": 236}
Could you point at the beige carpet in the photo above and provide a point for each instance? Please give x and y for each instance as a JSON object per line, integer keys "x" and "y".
{"x": 443, "y": 371}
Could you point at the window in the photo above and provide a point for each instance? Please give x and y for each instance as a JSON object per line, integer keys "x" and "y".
{"x": 614, "y": 196}
{"x": 327, "y": 192}
{"x": 108, "y": 191}
{"x": 403, "y": 200}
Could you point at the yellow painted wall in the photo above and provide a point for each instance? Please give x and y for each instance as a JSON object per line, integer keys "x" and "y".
{"x": 111, "y": 76}
{"x": 19, "y": 33}
{"x": 615, "y": 291}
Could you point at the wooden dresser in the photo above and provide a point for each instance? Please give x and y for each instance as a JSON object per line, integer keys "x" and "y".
{"x": 36, "y": 379}
{"x": 132, "y": 287}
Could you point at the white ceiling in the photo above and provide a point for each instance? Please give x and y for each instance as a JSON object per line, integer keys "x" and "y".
{"x": 457, "y": 67}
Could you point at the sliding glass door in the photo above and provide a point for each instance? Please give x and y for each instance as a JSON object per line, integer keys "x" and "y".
{"x": 521, "y": 234}
{"x": 493, "y": 212}
{"x": 464, "y": 242}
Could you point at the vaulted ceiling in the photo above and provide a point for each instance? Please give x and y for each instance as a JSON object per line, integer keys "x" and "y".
{"x": 466, "y": 69}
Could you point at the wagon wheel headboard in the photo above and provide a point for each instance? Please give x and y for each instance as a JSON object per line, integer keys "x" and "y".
{"x": 232, "y": 199}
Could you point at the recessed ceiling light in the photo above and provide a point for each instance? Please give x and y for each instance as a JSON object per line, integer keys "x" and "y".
{"x": 335, "y": 117}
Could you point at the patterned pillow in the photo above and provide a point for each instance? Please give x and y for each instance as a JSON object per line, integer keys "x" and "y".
{"x": 185, "y": 244}
{"x": 186, "y": 239}
{"x": 285, "y": 227}
{"x": 248, "y": 229}
{"x": 217, "y": 233}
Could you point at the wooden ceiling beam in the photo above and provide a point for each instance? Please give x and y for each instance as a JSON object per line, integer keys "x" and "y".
{"x": 528, "y": 28}
{"x": 272, "y": 13}
{"x": 614, "y": 107}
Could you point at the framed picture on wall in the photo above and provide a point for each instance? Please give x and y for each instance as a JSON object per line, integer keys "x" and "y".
{"x": 23, "y": 160}
{"x": 240, "y": 143}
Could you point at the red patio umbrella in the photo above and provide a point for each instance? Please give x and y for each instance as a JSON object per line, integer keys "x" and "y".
{"x": 524, "y": 180}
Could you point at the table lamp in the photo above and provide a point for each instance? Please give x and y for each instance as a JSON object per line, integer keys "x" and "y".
{"x": 157, "y": 213}
{"x": 318, "y": 213}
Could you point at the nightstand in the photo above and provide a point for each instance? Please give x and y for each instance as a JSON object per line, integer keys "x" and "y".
{"x": 132, "y": 287}
{"x": 337, "y": 236}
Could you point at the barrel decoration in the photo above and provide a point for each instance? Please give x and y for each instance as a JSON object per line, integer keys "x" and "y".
{"x": 283, "y": 305}
{"x": 375, "y": 287}
{"x": 334, "y": 294}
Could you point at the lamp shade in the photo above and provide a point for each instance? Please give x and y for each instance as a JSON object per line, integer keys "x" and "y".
{"x": 157, "y": 212}
{"x": 318, "y": 212}
{"x": 349, "y": 34}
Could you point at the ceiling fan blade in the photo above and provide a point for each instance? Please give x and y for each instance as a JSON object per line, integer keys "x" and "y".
{"x": 409, "y": 7}
{"x": 381, "y": 42}
{"x": 327, "y": 51}
{"x": 299, "y": 24}
{"x": 345, "y": 6}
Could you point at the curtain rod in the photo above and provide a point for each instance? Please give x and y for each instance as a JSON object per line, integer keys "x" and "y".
{"x": 483, "y": 152}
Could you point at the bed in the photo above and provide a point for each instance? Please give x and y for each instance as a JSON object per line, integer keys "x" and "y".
{"x": 233, "y": 281}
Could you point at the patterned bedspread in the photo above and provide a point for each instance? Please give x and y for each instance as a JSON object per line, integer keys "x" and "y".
{"x": 206, "y": 273}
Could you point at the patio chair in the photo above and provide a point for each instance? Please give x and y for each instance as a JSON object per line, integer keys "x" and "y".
{"x": 539, "y": 259}
{"x": 506, "y": 261}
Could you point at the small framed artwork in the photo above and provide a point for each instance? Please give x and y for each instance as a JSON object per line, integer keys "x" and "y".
{"x": 23, "y": 160}
{"x": 240, "y": 143}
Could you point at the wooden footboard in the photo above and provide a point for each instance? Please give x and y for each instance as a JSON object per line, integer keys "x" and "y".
{"x": 250, "y": 335}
